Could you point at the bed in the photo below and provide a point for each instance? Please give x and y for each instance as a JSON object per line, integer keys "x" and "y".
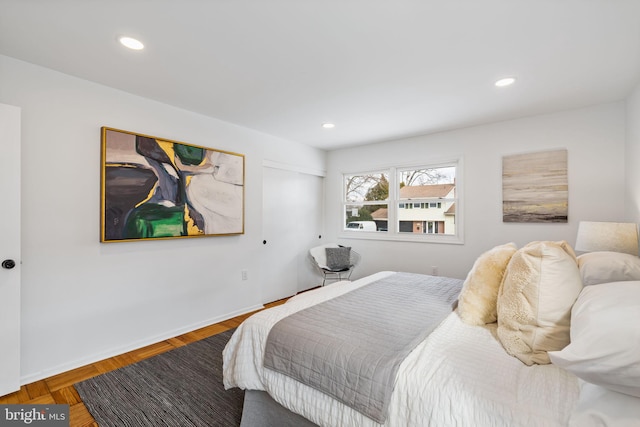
{"x": 459, "y": 374}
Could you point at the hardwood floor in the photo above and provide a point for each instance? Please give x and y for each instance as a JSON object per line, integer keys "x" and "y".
{"x": 59, "y": 388}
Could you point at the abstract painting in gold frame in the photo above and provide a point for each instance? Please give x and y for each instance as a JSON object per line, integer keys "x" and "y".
{"x": 535, "y": 187}
{"x": 155, "y": 188}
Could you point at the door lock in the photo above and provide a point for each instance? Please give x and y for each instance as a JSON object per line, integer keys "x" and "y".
{"x": 8, "y": 264}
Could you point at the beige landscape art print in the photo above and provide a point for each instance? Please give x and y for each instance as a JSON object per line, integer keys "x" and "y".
{"x": 535, "y": 187}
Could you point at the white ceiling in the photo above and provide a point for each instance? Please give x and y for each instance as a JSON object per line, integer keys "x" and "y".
{"x": 378, "y": 69}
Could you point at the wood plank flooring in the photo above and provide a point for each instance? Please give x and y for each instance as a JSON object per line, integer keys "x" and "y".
{"x": 59, "y": 388}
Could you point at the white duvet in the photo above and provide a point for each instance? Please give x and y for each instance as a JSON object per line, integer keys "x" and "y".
{"x": 459, "y": 376}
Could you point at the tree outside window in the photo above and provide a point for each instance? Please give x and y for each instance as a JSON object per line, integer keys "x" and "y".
{"x": 366, "y": 194}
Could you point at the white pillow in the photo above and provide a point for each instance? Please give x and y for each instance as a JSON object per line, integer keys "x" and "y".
{"x": 479, "y": 295}
{"x": 540, "y": 285}
{"x": 601, "y": 407}
{"x": 319, "y": 253}
{"x": 605, "y": 267}
{"x": 605, "y": 337}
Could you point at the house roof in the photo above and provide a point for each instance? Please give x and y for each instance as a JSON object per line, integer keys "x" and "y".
{"x": 424, "y": 191}
{"x": 382, "y": 213}
{"x": 451, "y": 210}
{"x": 419, "y": 192}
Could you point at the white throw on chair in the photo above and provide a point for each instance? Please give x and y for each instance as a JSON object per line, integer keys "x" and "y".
{"x": 333, "y": 261}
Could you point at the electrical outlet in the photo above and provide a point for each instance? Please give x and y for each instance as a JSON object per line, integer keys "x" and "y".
{"x": 434, "y": 270}
{"x": 245, "y": 274}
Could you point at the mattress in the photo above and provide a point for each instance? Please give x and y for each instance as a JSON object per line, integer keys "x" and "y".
{"x": 458, "y": 376}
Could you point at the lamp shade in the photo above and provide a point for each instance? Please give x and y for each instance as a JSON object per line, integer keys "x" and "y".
{"x": 607, "y": 236}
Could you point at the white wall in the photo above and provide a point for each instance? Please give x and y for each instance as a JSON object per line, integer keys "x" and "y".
{"x": 632, "y": 157}
{"x": 83, "y": 300}
{"x": 594, "y": 138}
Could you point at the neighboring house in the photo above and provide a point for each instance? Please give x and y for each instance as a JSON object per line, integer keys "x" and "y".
{"x": 428, "y": 209}
{"x": 381, "y": 217}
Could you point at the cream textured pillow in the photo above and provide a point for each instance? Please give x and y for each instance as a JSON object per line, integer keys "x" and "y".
{"x": 541, "y": 283}
{"x": 479, "y": 295}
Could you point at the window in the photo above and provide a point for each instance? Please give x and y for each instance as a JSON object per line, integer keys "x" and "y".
{"x": 434, "y": 190}
{"x": 416, "y": 203}
{"x": 366, "y": 201}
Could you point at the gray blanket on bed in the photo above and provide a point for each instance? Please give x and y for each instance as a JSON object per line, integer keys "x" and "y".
{"x": 350, "y": 347}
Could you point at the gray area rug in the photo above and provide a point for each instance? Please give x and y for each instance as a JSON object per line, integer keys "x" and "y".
{"x": 182, "y": 387}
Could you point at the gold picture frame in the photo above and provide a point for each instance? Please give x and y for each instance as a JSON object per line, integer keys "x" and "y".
{"x": 156, "y": 188}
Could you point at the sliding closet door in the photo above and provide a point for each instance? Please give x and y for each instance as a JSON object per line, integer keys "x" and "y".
{"x": 311, "y": 210}
{"x": 292, "y": 223}
{"x": 10, "y": 250}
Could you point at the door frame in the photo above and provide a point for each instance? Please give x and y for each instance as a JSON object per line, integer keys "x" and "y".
{"x": 10, "y": 249}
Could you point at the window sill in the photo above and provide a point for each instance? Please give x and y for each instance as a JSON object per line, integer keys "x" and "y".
{"x": 402, "y": 237}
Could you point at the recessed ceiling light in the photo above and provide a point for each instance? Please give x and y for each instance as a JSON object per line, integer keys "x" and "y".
{"x": 505, "y": 82}
{"x": 328, "y": 125}
{"x": 131, "y": 43}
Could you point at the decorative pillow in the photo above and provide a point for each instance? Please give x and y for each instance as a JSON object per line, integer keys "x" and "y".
{"x": 605, "y": 337}
{"x": 601, "y": 407}
{"x": 605, "y": 267}
{"x": 479, "y": 295}
{"x": 540, "y": 285}
{"x": 338, "y": 258}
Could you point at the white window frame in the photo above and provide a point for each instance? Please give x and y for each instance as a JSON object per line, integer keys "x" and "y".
{"x": 393, "y": 202}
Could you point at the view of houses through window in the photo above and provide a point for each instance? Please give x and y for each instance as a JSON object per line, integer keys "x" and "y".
{"x": 402, "y": 200}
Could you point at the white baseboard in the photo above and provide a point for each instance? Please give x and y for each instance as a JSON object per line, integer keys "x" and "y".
{"x": 65, "y": 367}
